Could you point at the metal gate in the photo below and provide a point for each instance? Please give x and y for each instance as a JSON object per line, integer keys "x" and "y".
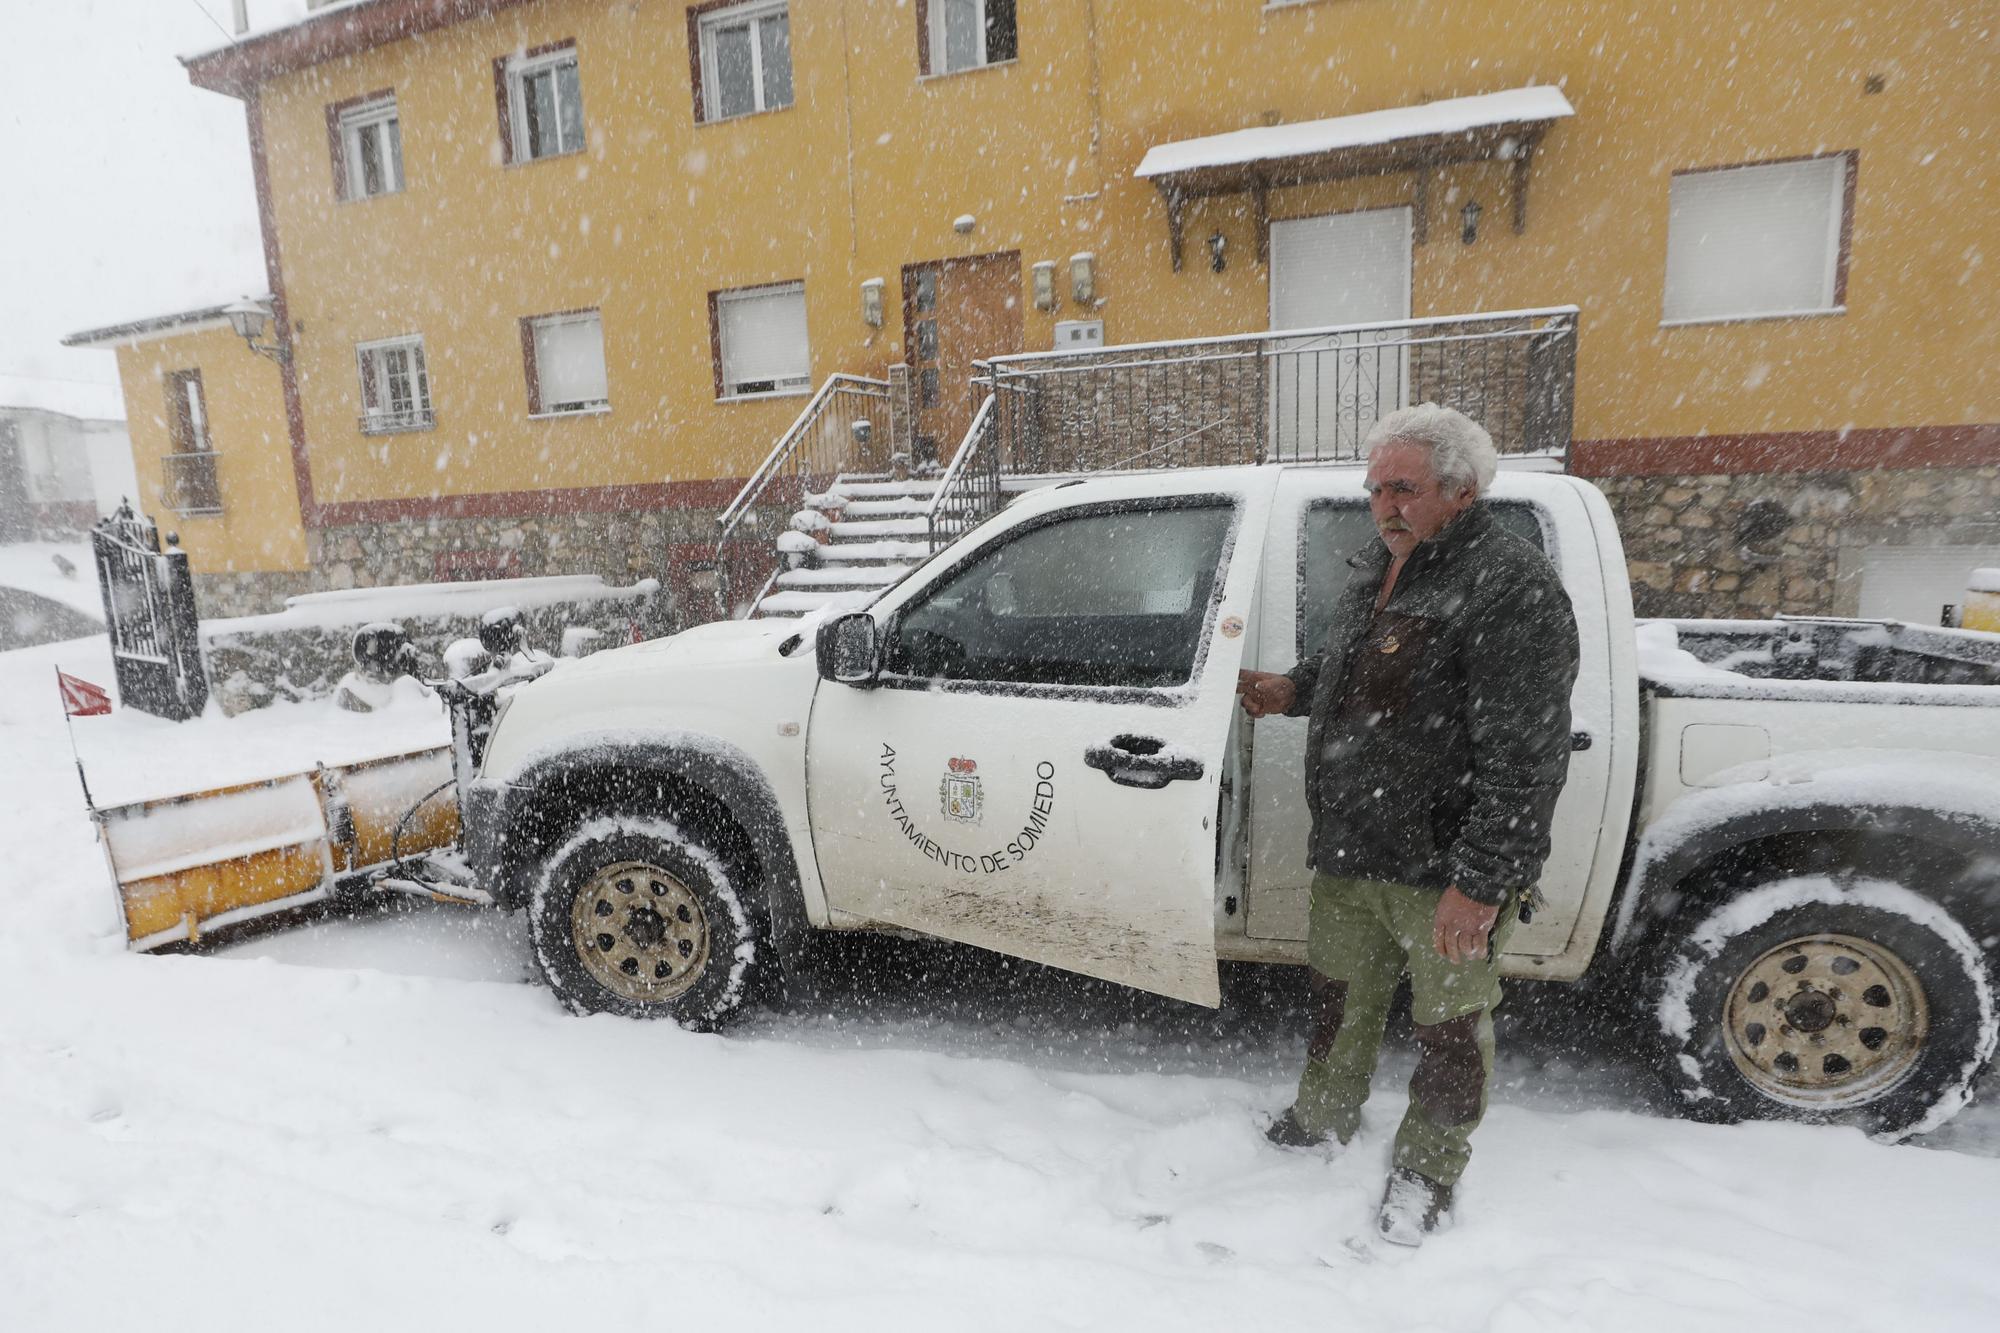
{"x": 149, "y": 607}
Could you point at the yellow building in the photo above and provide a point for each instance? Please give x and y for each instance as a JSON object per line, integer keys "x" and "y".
{"x": 553, "y": 275}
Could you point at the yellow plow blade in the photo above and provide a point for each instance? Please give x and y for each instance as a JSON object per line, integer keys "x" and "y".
{"x": 186, "y": 865}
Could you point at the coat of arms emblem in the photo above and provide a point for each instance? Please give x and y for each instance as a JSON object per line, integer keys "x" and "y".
{"x": 959, "y": 792}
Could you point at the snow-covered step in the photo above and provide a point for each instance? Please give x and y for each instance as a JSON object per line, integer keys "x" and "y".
{"x": 907, "y": 505}
{"x": 882, "y": 527}
{"x": 844, "y": 552}
{"x": 876, "y": 489}
{"x": 852, "y": 576}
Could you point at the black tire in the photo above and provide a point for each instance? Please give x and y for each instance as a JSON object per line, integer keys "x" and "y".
{"x": 635, "y": 916}
{"x": 1857, "y": 1002}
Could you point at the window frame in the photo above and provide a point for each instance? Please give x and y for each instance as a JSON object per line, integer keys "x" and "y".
{"x": 780, "y": 388}
{"x": 703, "y": 23}
{"x": 346, "y": 122}
{"x": 1841, "y": 227}
{"x": 1179, "y": 695}
{"x": 538, "y": 410}
{"x": 187, "y": 434}
{"x": 510, "y": 76}
{"x": 931, "y": 41}
{"x": 422, "y": 416}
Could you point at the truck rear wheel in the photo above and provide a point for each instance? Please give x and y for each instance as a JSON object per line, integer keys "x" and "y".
{"x": 635, "y": 916}
{"x": 1857, "y": 1002}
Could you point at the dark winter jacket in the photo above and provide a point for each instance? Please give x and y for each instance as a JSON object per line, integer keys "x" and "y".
{"x": 1440, "y": 729}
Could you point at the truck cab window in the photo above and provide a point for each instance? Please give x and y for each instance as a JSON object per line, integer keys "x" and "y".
{"x": 1116, "y": 597}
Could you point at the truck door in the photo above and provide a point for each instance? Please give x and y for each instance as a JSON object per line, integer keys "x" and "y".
{"x": 1036, "y": 771}
{"x": 1320, "y": 520}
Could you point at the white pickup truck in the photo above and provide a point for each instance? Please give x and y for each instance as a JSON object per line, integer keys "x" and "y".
{"x": 1780, "y": 839}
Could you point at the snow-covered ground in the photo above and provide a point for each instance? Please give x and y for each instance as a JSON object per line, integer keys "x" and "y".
{"x": 31, "y": 567}
{"x": 375, "y": 1124}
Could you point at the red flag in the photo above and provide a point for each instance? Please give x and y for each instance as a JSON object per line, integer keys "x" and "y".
{"x": 81, "y": 698}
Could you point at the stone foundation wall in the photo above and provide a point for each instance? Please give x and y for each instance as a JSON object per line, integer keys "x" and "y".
{"x": 1761, "y": 544}
{"x": 620, "y": 547}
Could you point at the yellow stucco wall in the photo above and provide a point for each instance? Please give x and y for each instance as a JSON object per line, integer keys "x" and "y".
{"x": 259, "y": 528}
{"x": 867, "y": 170}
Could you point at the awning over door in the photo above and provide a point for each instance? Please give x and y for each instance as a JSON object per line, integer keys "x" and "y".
{"x": 1503, "y": 126}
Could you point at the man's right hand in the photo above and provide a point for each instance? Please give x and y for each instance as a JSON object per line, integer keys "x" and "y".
{"x": 1265, "y": 692}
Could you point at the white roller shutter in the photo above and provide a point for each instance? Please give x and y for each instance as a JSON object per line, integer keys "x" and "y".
{"x": 569, "y": 362}
{"x": 763, "y": 335}
{"x": 1746, "y": 241}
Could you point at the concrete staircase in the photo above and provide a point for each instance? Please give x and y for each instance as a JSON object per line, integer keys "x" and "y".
{"x": 877, "y": 531}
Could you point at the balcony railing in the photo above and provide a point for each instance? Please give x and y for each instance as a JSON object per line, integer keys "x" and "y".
{"x": 1294, "y": 395}
{"x": 192, "y": 487}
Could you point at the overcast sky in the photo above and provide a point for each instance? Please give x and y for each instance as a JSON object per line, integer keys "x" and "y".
{"x": 127, "y": 188}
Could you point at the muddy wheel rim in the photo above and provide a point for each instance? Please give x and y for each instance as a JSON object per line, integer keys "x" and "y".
{"x": 1826, "y": 1021}
{"x": 639, "y": 932}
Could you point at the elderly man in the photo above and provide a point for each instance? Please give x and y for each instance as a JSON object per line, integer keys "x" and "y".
{"x": 1437, "y": 744}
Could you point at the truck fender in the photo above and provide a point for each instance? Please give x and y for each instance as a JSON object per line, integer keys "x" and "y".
{"x": 714, "y": 767}
{"x": 1684, "y": 842}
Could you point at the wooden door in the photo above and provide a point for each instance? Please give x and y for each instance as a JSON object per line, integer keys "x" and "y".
{"x": 955, "y": 312}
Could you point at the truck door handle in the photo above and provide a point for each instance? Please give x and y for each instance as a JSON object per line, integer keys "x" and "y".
{"x": 1141, "y": 761}
{"x": 1579, "y": 740}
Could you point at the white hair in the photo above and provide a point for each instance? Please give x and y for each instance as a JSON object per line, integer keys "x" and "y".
{"x": 1462, "y": 453}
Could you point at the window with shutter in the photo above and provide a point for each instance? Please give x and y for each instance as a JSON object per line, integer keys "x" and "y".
{"x": 566, "y": 364}
{"x": 745, "y": 58}
{"x": 395, "y": 386}
{"x": 371, "y": 150}
{"x": 1756, "y": 241}
{"x": 761, "y": 341}
{"x": 543, "y": 110}
{"x": 966, "y": 34}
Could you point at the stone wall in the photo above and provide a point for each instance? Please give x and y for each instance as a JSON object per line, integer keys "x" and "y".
{"x": 1761, "y": 544}
{"x": 620, "y": 547}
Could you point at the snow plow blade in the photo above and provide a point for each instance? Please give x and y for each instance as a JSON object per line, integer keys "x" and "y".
{"x": 188, "y": 865}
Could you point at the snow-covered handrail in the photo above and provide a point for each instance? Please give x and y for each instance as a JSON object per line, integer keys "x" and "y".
{"x": 788, "y": 443}
{"x": 976, "y": 436}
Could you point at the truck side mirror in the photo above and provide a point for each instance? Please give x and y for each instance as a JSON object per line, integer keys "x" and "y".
{"x": 849, "y": 649}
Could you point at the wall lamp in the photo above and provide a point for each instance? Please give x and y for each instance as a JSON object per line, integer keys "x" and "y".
{"x": 1468, "y": 221}
{"x": 249, "y": 318}
{"x": 1045, "y": 285}
{"x": 871, "y": 303}
{"x": 1083, "y": 277}
{"x": 1218, "y": 252}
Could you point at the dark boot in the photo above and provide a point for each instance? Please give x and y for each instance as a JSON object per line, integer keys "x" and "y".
{"x": 1287, "y": 1132}
{"x": 1412, "y": 1207}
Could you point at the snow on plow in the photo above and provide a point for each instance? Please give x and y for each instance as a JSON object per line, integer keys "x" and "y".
{"x": 188, "y": 865}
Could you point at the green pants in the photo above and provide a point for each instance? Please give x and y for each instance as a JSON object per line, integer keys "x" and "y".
{"x": 1364, "y": 935}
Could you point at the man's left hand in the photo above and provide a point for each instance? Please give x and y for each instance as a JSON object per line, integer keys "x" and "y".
{"x": 1461, "y": 928}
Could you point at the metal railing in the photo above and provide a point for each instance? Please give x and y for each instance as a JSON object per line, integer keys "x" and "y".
{"x": 969, "y": 491}
{"x": 192, "y": 486}
{"x": 844, "y": 427}
{"x": 1291, "y": 395}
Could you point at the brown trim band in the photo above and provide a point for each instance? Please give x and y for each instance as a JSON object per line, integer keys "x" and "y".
{"x": 1790, "y": 451}
{"x": 714, "y": 493}
{"x": 267, "y": 226}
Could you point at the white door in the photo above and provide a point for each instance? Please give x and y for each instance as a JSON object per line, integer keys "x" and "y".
{"x": 1037, "y": 770}
{"x": 1344, "y": 268}
{"x": 1322, "y": 519}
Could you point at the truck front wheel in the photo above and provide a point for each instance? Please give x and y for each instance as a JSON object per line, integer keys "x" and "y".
{"x": 1856, "y": 1002}
{"x": 636, "y": 916}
